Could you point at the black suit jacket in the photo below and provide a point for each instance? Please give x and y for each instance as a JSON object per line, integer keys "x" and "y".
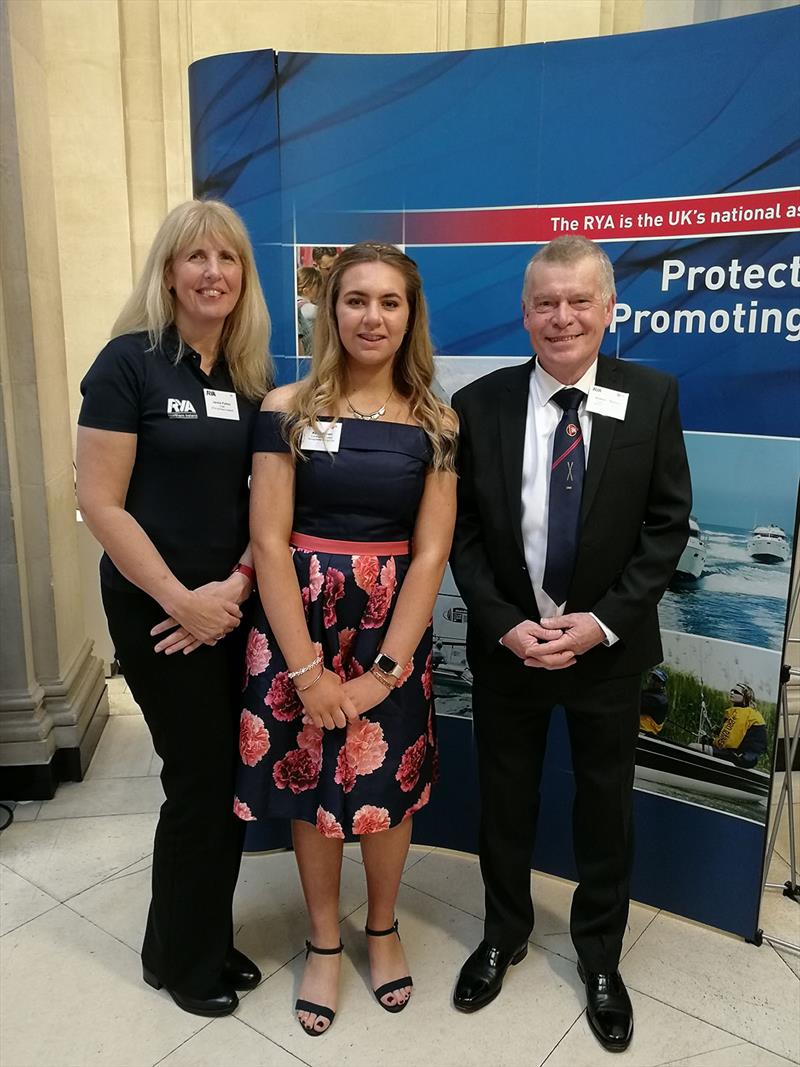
{"x": 635, "y": 511}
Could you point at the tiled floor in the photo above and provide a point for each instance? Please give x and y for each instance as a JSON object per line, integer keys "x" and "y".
{"x": 75, "y": 880}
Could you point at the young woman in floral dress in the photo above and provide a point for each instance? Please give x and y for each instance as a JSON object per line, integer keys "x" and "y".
{"x": 352, "y": 513}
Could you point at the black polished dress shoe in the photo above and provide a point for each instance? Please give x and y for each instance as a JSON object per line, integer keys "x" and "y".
{"x": 240, "y": 972}
{"x": 221, "y": 1002}
{"x": 608, "y": 1009}
{"x": 481, "y": 977}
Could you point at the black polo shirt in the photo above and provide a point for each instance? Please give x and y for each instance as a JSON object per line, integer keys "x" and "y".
{"x": 189, "y": 485}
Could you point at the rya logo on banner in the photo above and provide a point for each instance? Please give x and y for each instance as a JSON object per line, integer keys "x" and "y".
{"x": 180, "y": 409}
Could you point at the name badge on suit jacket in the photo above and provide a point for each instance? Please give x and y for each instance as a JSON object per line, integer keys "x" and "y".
{"x": 611, "y": 402}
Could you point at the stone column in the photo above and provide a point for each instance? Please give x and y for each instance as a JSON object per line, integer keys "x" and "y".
{"x": 53, "y": 702}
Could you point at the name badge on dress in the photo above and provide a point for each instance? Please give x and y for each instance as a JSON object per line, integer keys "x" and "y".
{"x": 314, "y": 440}
{"x": 607, "y": 402}
{"x": 221, "y": 404}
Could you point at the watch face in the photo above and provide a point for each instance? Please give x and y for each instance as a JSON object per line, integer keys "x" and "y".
{"x": 385, "y": 663}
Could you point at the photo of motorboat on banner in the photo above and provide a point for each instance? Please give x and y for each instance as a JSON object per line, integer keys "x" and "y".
{"x": 732, "y": 579}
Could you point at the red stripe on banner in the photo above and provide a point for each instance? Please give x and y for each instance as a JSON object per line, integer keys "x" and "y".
{"x": 571, "y": 448}
{"x": 693, "y": 216}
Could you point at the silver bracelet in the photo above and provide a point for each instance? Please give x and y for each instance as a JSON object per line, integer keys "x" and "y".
{"x": 308, "y": 667}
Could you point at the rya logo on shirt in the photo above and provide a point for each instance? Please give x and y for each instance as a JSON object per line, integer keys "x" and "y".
{"x": 180, "y": 409}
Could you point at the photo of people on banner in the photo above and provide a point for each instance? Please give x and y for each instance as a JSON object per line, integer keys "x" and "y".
{"x": 313, "y": 265}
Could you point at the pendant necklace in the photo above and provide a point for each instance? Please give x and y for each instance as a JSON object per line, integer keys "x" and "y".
{"x": 370, "y": 416}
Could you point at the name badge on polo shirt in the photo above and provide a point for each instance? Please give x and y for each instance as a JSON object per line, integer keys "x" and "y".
{"x": 314, "y": 440}
{"x": 607, "y": 402}
{"x": 221, "y": 404}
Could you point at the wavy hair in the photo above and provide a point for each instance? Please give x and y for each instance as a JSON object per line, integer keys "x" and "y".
{"x": 323, "y": 389}
{"x": 151, "y": 306}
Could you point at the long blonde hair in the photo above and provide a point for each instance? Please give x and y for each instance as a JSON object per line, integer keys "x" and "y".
{"x": 151, "y": 305}
{"x": 323, "y": 389}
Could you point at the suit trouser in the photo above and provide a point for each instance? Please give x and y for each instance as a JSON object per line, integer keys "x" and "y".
{"x": 511, "y": 732}
{"x": 190, "y": 704}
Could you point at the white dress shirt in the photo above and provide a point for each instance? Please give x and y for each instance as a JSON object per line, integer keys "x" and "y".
{"x": 544, "y": 415}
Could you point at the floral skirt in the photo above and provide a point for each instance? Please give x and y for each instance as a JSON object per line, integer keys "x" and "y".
{"x": 359, "y": 779}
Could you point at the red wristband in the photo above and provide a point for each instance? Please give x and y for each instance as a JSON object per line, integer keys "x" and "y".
{"x": 248, "y": 572}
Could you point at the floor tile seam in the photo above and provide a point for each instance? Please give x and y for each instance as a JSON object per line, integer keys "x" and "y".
{"x": 273, "y": 1042}
{"x": 182, "y": 1043}
{"x": 35, "y": 885}
{"x": 80, "y": 915}
{"x": 419, "y": 859}
{"x": 427, "y": 893}
{"x": 698, "y": 1018}
{"x": 112, "y": 778}
{"x": 638, "y": 937}
{"x": 566, "y": 1033}
{"x": 794, "y": 974}
{"x": 694, "y": 1055}
{"x": 33, "y": 918}
{"x": 98, "y": 815}
{"x": 105, "y": 878}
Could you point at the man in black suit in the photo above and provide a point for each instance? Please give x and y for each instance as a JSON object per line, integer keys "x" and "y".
{"x": 574, "y": 500}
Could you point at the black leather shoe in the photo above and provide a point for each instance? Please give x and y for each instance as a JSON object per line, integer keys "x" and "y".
{"x": 222, "y": 1002}
{"x": 481, "y": 977}
{"x": 240, "y": 972}
{"x": 608, "y": 1009}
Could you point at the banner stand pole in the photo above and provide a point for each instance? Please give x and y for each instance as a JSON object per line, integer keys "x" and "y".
{"x": 790, "y": 888}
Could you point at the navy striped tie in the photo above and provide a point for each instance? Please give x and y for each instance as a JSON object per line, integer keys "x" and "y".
{"x": 566, "y": 490}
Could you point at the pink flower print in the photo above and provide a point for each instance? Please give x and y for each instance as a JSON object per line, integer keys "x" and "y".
{"x": 424, "y": 797}
{"x": 365, "y": 572}
{"x": 334, "y": 590}
{"x": 310, "y": 737}
{"x": 345, "y": 774}
{"x": 377, "y": 607}
{"x": 341, "y": 659}
{"x": 370, "y": 820}
{"x": 366, "y": 748}
{"x": 258, "y": 653}
{"x": 411, "y": 763}
{"x": 242, "y": 810}
{"x": 431, "y": 739}
{"x": 253, "y": 738}
{"x": 427, "y": 677}
{"x": 355, "y": 670}
{"x": 282, "y": 698}
{"x": 315, "y": 578}
{"x": 346, "y": 638}
{"x": 408, "y": 670}
{"x": 389, "y": 575}
{"x": 298, "y": 770}
{"x": 327, "y": 824}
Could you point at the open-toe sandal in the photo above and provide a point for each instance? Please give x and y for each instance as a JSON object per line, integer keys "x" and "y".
{"x": 317, "y": 1009}
{"x": 398, "y": 983}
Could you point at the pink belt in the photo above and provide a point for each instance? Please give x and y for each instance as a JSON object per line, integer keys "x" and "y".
{"x": 307, "y": 543}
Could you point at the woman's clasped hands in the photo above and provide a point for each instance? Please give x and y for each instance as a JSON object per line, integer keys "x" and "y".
{"x": 331, "y": 703}
{"x": 201, "y": 616}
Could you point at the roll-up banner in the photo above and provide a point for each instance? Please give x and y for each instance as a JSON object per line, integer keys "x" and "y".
{"x": 678, "y": 150}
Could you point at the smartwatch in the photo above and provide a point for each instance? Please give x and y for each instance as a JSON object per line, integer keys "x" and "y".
{"x": 387, "y": 665}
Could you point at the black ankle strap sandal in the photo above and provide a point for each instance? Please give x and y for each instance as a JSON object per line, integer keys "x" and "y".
{"x": 320, "y": 1010}
{"x": 398, "y": 983}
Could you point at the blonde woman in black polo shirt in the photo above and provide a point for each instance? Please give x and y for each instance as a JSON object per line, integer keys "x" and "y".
{"x": 163, "y": 464}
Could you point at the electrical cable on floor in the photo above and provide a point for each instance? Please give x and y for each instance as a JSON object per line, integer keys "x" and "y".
{"x": 7, "y": 822}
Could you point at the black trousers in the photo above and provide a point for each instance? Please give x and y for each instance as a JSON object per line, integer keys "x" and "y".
{"x": 511, "y": 733}
{"x": 191, "y": 706}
